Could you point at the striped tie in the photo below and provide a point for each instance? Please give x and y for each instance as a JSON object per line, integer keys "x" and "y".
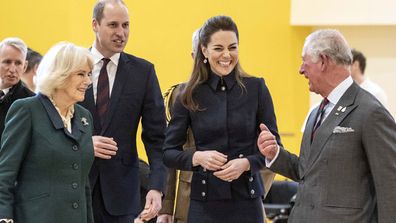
{"x": 103, "y": 92}
{"x": 319, "y": 116}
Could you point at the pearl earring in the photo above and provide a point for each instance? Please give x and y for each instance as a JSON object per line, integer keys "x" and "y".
{"x": 205, "y": 60}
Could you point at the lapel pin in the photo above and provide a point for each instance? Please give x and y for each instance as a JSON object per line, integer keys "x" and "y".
{"x": 84, "y": 121}
{"x": 337, "y": 113}
{"x": 339, "y": 108}
{"x": 343, "y": 109}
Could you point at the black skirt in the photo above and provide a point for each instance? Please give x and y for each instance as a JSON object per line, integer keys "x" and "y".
{"x": 226, "y": 211}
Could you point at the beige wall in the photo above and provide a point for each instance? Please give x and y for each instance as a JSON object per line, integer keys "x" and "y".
{"x": 343, "y": 12}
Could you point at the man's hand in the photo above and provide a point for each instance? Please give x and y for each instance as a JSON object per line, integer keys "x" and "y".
{"x": 165, "y": 218}
{"x": 267, "y": 144}
{"x": 153, "y": 205}
{"x": 233, "y": 169}
{"x": 104, "y": 147}
{"x": 210, "y": 159}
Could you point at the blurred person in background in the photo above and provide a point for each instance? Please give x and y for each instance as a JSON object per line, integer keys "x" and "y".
{"x": 12, "y": 66}
{"x": 357, "y": 72}
{"x": 33, "y": 59}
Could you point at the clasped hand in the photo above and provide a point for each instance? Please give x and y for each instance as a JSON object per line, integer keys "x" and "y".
{"x": 217, "y": 162}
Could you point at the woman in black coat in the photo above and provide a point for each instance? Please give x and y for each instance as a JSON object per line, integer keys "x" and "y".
{"x": 224, "y": 107}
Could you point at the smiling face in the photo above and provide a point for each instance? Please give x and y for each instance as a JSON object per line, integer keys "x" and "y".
{"x": 113, "y": 30}
{"x": 12, "y": 66}
{"x": 77, "y": 83}
{"x": 222, "y": 52}
{"x": 312, "y": 71}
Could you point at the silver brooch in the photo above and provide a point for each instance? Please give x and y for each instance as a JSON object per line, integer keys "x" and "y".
{"x": 84, "y": 121}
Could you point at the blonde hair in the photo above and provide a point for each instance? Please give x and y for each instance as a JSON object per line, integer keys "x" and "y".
{"x": 58, "y": 63}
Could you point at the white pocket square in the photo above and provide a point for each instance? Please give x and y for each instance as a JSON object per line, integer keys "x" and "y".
{"x": 340, "y": 129}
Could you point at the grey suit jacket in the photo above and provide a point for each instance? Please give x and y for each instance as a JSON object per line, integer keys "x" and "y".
{"x": 348, "y": 173}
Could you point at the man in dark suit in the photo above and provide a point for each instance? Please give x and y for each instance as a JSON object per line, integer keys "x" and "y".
{"x": 12, "y": 65}
{"x": 125, "y": 90}
{"x": 346, "y": 168}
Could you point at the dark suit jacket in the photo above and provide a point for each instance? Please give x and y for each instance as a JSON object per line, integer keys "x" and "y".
{"x": 135, "y": 96}
{"x": 16, "y": 92}
{"x": 43, "y": 168}
{"x": 228, "y": 123}
{"x": 348, "y": 172}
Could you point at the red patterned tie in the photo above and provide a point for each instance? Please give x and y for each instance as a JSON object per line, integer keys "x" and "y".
{"x": 103, "y": 92}
{"x": 319, "y": 116}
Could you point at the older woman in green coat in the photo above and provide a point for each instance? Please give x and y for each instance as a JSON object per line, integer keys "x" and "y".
{"x": 46, "y": 148}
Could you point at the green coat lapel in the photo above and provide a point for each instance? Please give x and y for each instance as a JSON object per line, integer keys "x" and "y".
{"x": 77, "y": 120}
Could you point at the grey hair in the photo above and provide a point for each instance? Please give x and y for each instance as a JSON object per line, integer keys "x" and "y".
{"x": 58, "y": 64}
{"x": 15, "y": 42}
{"x": 195, "y": 41}
{"x": 329, "y": 42}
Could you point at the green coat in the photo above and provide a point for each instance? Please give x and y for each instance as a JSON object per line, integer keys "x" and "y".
{"x": 43, "y": 168}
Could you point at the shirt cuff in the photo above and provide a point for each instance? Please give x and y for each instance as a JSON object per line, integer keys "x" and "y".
{"x": 268, "y": 163}
{"x": 6, "y": 220}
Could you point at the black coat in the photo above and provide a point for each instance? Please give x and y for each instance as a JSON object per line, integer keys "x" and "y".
{"x": 16, "y": 92}
{"x": 229, "y": 123}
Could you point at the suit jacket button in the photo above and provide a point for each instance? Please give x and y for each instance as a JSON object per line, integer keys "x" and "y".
{"x": 203, "y": 194}
{"x": 75, "y": 147}
{"x": 203, "y": 181}
{"x": 75, "y": 205}
{"x": 312, "y": 206}
{"x": 250, "y": 179}
{"x": 74, "y": 185}
{"x": 252, "y": 192}
{"x": 75, "y": 166}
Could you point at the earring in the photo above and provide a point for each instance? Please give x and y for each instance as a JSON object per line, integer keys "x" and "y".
{"x": 205, "y": 60}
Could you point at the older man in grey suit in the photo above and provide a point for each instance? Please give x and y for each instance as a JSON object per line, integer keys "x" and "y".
{"x": 347, "y": 164}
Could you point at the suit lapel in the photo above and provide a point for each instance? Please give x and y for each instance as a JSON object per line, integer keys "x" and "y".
{"x": 57, "y": 121}
{"x": 335, "y": 117}
{"x": 119, "y": 82}
{"x": 306, "y": 141}
{"x": 51, "y": 111}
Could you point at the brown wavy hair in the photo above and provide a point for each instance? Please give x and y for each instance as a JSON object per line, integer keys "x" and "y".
{"x": 201, "y": 70}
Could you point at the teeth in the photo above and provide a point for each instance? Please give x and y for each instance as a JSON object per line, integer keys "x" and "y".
{"x": 225, "y": 63}
{"x": 118, "y": 41}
